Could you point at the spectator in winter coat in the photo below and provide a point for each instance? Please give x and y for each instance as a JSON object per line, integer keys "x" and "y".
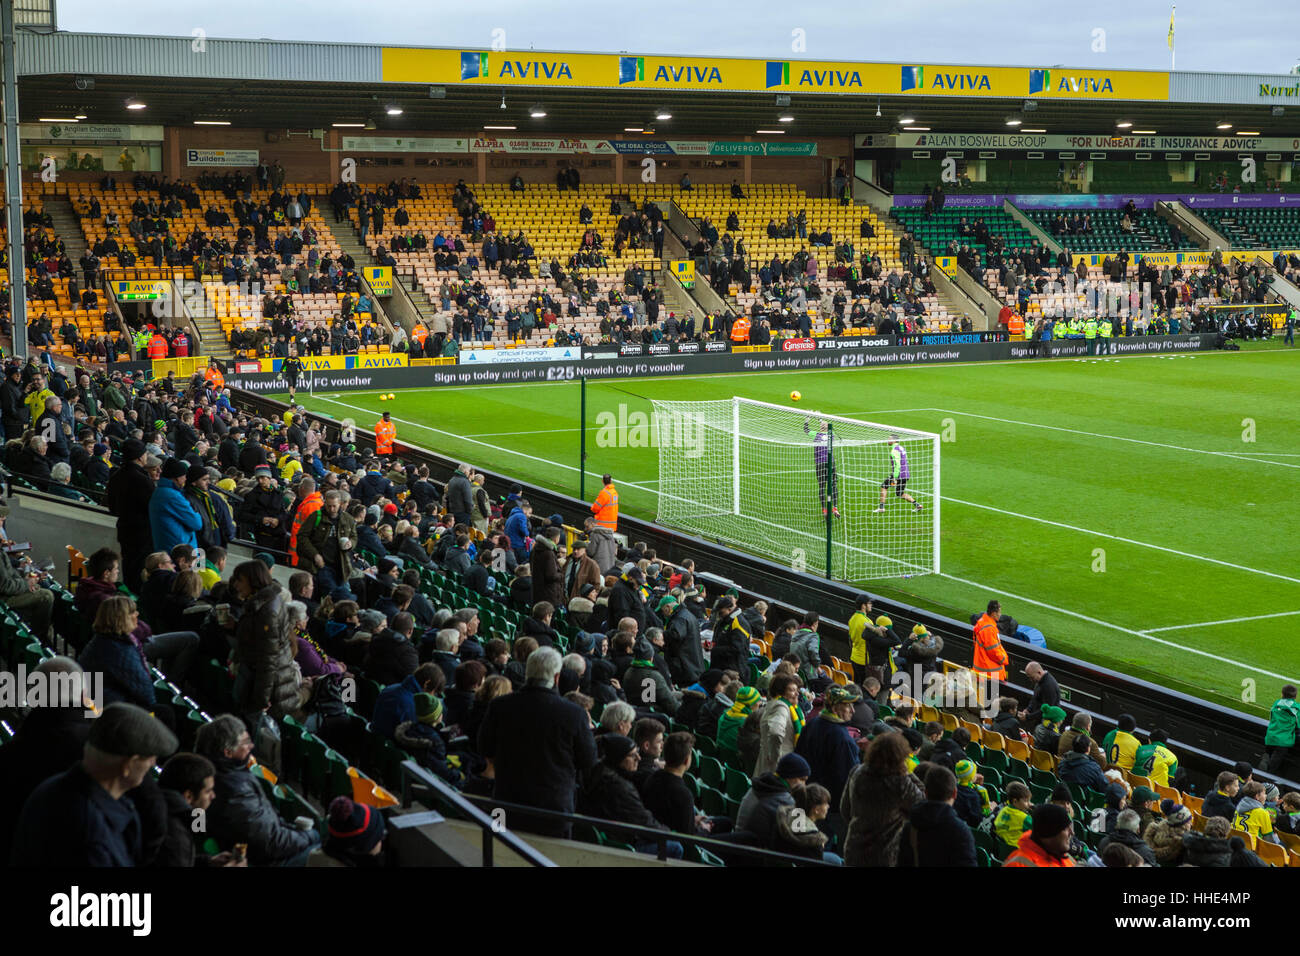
{"x": 1223, "y": 801}
{"x": 626, "y": 600}
{"x": 1077, "y": 766}
{"x": 696, "y": 696}
{"x": 266, "y": 678}
{"x": 548, "y": 582}
{"x": 828, "y": 746}
{"x": 781, "y": 724}
{"x": 1006, "y": 722}
{"x": 602, "y": 548}
{"x": 460, "y": 495}
{"x": 421, "y": 739}
{"x": 1047, "y": 735}
{"x": 934, "y": 835}
{"x": 1046, "y": 693}
{"x": 608, "y": 791}
{"x": 391, "y": 657}
{"x": 645, "y": 684}
{"x": 1082, "y": 724}
{"x": 878, "y": 800}
{"x": 517, "y": 530}
{"x": 79, "y": 818}
{"x": 770, "y": 792}
{"x": 114, "y": 652}
{"x": 682, "y": 645}
{"x": 241, "y": 812}
{"x": 538, "y": 744}
{"x": 730, "y": 639}
{"x": 172, "y": 519}
{"x": 396, "y": 703}
{"x": 1127, "y": 825}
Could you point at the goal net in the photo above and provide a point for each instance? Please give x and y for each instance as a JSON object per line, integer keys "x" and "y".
{"x": 762, "y": 477}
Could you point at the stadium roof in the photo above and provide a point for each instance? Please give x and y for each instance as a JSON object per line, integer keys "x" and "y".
{"x": 263, "y": 83}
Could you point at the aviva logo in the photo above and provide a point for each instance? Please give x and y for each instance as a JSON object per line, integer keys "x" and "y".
{"x": 631, "y": 69}
{"x": 778, "y": 73}
{"x": 913, "y": 78}
{"x": 836, "y": 79}
{"x": 667, "y": 73}
{"x": 1040, "y": 81}
{"x": 475, "y": 66}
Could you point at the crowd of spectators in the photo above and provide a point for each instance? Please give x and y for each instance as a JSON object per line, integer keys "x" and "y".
{"x": 626, "y": 673}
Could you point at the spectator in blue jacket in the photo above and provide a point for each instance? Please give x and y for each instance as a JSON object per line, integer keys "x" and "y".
{"x": 517, "y": 530}
{"x": 395, "y": 704}
{"x": 171, "y": 516}
{"x": 115, "y": 652}
{"x": 1078, "y": 767}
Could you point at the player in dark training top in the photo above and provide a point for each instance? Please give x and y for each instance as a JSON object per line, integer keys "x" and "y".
{"x": 290, "y": 369}
{"x": 824, "y": 462}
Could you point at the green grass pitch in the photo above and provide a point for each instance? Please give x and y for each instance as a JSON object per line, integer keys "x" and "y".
{"x": 1140, "y": 511}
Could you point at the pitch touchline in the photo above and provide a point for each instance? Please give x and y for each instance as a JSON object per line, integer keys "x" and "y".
{"x": 1135, "y": 441}
{"x": 1231, "y": 620}
{"x": 974, "y": 584}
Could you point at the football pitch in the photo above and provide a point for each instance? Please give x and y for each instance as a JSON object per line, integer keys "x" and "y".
{"x": 1139, "y": 511}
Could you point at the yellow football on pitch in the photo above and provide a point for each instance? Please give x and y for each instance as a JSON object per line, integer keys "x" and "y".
{"x": 383, "y": 398}
{"x": 391, "y": 396}
{"x": 795, "y": 396}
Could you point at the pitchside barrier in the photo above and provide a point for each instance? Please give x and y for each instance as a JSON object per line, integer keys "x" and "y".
{"x": 609, "y": 364}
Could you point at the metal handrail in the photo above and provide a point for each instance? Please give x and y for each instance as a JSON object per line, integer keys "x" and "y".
{"x": 466, "y": 802}
{"x": 491, "y": 829}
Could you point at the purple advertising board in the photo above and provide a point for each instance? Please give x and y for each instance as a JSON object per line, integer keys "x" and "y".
{"x": 1110, "y": 200}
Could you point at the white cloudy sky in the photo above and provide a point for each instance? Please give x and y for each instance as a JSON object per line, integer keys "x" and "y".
{"x": 1211, "y": 35}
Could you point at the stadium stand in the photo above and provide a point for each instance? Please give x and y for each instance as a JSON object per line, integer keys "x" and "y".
{"x": 436, "y": 620}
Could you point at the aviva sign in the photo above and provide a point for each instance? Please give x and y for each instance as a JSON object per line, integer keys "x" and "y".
{"x": 629, "y": 71}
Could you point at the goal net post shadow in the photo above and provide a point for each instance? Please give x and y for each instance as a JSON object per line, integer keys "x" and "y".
{"x": 761, "y": 477}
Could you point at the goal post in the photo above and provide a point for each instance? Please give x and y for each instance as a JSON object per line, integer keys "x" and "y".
{"x": 761, "y": 477}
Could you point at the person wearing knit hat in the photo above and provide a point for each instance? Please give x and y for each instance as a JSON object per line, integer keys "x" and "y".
{"x": 390, "y": 508}
{"x": 831, "y": 751}
{"x": 420, "y": 738}
{"x": 792, "y": 768}
{"x": 730, "y": 723}
{"x": 1047, "y": 842}
{"x": 973, "y": 803}
{"x": 614, "y": 748}
{"x": 1175, "y": 814}
{"x": 1047, "y": 735}
{"x": 356, "y": 833}
{"x": 428, "y": 709}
